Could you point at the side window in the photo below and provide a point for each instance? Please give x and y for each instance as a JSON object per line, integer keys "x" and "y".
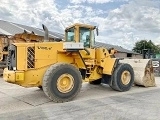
{"x": 85, "y": 36}
{"x": 70, "y": 35}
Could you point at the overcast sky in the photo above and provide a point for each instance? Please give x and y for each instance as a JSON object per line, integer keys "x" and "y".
{"x": 120, "y": 22}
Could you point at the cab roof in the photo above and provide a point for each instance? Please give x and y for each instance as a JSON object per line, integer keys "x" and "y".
{"x": 81, "y": 25}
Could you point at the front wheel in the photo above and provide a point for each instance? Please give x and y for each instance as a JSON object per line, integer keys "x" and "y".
{"x": 62, "y": 82}
{"x": 122, "y": 78}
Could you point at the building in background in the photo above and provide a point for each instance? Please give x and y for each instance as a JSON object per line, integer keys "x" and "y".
{"x": 9, "y": 29}
{"x": 121, "y": 52}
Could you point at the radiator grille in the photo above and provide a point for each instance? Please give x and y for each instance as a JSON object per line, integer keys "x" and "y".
{"x": 30, "y": 57}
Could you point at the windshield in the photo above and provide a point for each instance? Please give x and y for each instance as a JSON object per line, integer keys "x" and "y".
{"x": 70, "y": 35}
{"x": 85, "y": 36}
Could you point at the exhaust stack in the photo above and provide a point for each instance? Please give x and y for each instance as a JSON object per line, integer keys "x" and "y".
{"x": 46, "y": 38}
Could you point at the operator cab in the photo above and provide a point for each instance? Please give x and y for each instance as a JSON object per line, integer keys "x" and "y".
{"x": 81, "y": 33}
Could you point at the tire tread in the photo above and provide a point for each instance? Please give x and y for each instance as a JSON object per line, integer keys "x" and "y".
{"x": 49, "y": 72}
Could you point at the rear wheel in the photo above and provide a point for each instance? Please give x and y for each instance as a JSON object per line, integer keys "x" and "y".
{"x": 62, "y": 82}
{"x": 122, "y": 78}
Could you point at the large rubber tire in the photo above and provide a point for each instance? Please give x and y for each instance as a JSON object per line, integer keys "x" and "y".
{"x": 117, "y": 83}
{"x": 50, "y": 82}
{"x": 95, "y": 82}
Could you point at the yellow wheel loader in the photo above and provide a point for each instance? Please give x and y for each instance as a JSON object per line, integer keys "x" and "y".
{"x": 61, "y": 67}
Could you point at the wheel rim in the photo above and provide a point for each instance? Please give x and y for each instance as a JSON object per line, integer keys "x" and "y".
{"x": 65, "y": 83}
{"x": 126, "y": 77}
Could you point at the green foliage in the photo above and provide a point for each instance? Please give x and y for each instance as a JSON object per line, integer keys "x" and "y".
{"x": 144, "y": 44}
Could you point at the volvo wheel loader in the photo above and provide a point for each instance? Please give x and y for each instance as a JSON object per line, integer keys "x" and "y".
{"x": 61, "y": 67}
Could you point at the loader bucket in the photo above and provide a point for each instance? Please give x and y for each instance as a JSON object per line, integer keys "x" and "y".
{"x": 143, "y": 71}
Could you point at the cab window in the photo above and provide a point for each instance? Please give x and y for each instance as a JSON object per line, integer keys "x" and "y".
{"x": 70, "y": 35}
{"x": 85, "y": 36}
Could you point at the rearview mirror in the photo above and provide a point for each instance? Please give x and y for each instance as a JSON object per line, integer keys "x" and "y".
{"x": 97, "y": 31}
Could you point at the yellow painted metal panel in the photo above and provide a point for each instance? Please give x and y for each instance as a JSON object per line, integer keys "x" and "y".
{"x": 21, "y": 58}
{"x": 19, "y": 76}
{"x": 101, "y": 54}
{"x": 94, "y": 75}
{"x": 46, "y": 53}
{"x": 78, "y": 61}
{"x": 109, "y": 65}
{"x": 28, "y": 78}
{"x": 84, "y": 53}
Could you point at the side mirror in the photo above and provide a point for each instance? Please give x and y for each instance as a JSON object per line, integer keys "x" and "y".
{"x": 97, "y": 32}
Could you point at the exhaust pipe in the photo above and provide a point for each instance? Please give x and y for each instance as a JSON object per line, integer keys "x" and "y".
{"x": 46, "y": 38}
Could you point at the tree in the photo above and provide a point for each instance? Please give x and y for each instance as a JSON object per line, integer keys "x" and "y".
{"x": 144, "y": 44}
